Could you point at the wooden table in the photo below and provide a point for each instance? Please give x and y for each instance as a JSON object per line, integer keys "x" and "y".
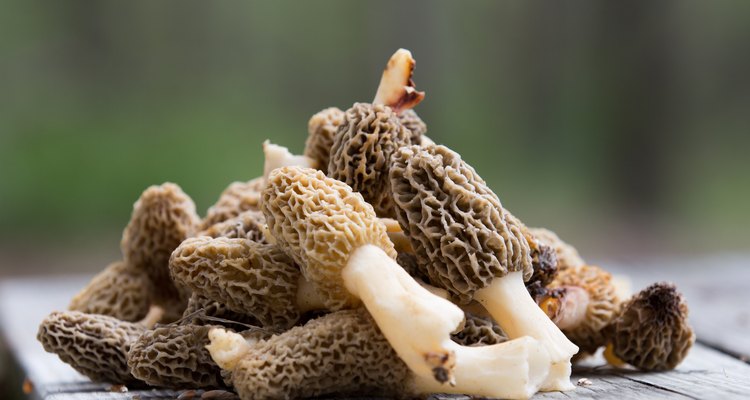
{"x": 716, "y": 289}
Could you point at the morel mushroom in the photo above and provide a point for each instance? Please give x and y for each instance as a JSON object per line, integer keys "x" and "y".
{"x": 345, "y": 353}
{"x": 321, "y": 129}
{"x": 248, "y": 225}
{"x": 479, "y": 331}
{"x": 651, "y": 333}
{"x": 237, "y": 198}
{"x": 468, "y": 244}
{"x": 204, "y": 311}
{"x": 567, "y": 255}
{"x": 247, "y": 277}
{"x": 94, "y": 345}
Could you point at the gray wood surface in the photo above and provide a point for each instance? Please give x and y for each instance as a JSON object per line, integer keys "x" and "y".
{"x": 712, "y": 285}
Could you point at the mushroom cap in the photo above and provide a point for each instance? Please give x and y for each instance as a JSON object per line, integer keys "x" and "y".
{"x": 543, "y": 261}
{"x": 479, "y": 331}
{"x": 412, "y": 122}
{"x": 247, "y": 225}
{"x": 247, "y": 277}
{"x": 342, "y": 353}
{"x": 652, "y": 332}
{"x": 461, "y": 234}
{"x": 175, "y": 356}
{"x": 320, "y": 221}
{"x": 94, "y": 345}
{"x": 321, "y": 129}
{"x": 603, "y": 306}
{"x": 567, "y": 255}
{"x": 236, "y": 198}
{"x": 362, "y": 149}
{"x": 204, "y": 311}
{"x": 119, "y": 291}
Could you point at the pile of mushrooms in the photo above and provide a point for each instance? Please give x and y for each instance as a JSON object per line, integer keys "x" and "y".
{"x": 377, "y": 263}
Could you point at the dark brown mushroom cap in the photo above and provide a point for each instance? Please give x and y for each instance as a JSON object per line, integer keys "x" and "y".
{"x": 652, "y": 332}
{"x": 412, "y": 122}
{"x": 543, "y": 261}
{"x": 175, "y": 356}
{"x": 479, "y": 331}
{"x": 320, "y": 221}
{"x": 247, "y": 277}
{"x": 461, "y": 234}
{"x": 94, "y": 345}
{"x": 362, "y": 149}
{"x": 247, "y": 225}
{"x": 603, "y": 307}
{"x": 321, "y": 129}
{"x": 119, "y": 291}
{"x": 234, "y": 200}
{"x": 567, "y": 255}
{"x": 342, "y": 353}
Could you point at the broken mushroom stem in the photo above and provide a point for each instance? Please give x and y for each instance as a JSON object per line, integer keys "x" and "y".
{"x": 279, "y": 156}
{"x": 396, "y": 89}
{"x": 566, "y": 306}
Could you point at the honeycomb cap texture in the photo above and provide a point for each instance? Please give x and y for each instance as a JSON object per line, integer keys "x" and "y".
{"x": 361, "y": 151}
{"x": 321, "y": 129}
{"x": 247, "y": 277}
{"x": 342, "y": 353}
{"x": 247, "y": 225}
{"x": 320, "y": 221}
{"x": 652, "y": 331}
{"x": 119, "y": 291}
{"x": 204, "y": 311}
{"x": 567, "y": 255}
{"x": 603, "y": 306}
{"x": 175, "y": 356}
{"x": 94, "y": 345}
{"x": 412, "y": 122}
{"x": 461, "y": 234}
{"x": 235, "y": 199}
{"x": 479, "y": 331}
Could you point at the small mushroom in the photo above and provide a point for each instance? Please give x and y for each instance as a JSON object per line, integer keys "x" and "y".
{"x": 321, "y": 129}
{"x": 469, "y": 245}
{"x": 237, "y": 198}
{"x": 345, "y": 353}
{"x": 652, "y": 332}
{"x": 567, "y": 255}
{"x": 248, "y": 225}
{"x": 94, "y": 345}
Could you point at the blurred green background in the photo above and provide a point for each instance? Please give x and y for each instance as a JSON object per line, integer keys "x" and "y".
{"x": 623, "y": 126}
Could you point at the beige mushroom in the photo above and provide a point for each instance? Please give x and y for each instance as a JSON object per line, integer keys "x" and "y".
{"x": 247, "y": 225}
{"x": 471, "y": 246}
{"x": 321, "y": 129}
{"x": 237, "y": 198}
{"x": 567, "y": 255}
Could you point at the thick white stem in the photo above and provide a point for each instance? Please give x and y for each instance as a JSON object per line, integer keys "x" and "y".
{"x": 415, "y": 322}
{"x": 512, "y": 370}
{"x": 510, "y": 304}
{"x": 227, "y": 348}
{"x": 279, "y": 156}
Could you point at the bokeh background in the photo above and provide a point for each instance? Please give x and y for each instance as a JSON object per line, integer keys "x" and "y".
{"x": 623, "y": 126}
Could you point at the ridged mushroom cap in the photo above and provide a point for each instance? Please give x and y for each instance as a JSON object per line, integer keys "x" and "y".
{"x": 342, "y": 353}
{"x": 567, "y": 255}
{"x": 320, "y": 221}
{"x": 204, "y": 311}
{"x": 94, "y": 345}
{"x": 461, "y": 234}
{"x": 412, "y": 122}
{"x": 235, "y": 199}
{"x": 603, "y": 306}
{"x": 479, "y": 331}
{"x": 361, "y": 151}
{"x": 175, "y": 356}
{"x": 119, "y": 291}
{"x": 321, "y": 129}
{"x": 543, "y": 261}
{"x": 652, "y": 332}
{"x": 247, "y": 225}
{"x": 247, "y": 277}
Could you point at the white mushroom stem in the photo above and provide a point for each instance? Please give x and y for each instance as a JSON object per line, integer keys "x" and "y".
{"x": 399, "y": 239}
{"x": 154, "y": 315}
{"x": 512, "y": 370}
{"x": 308, "y": 296}
{"x": 279, "y": 156}
{"x": 567, "y": 310}
{"x": 426, "y": 141}
{"x": 227, "y": 348}
{"x": 415, "y": 322}
{"x": 510, "y": 304}
{"x": 396, "y": 88}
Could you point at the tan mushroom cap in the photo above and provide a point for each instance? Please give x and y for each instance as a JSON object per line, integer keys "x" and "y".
{"x": 119, "y": 291}
{"x": 342, "y": 353}
{"x": 603, "y": 304}
{"x": 479, "y": 331}
{"x": 412, "y": 122}
{"x": 321, "y": 129}
{"x": 204, "y": 311}
{"x": 235, "y": 199}
{"x": 247, "y": 277}
{"x": 175, "y": 356}
{"x": 247, "y": 225}
{"x": 652, "y": 332}
{"x": 320, "y": 221}
{"x": 461, "y": 234}
{"x": 361, "y": 152}
{"x": 567, "y": 255}
{"x": 94, "y": 345}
